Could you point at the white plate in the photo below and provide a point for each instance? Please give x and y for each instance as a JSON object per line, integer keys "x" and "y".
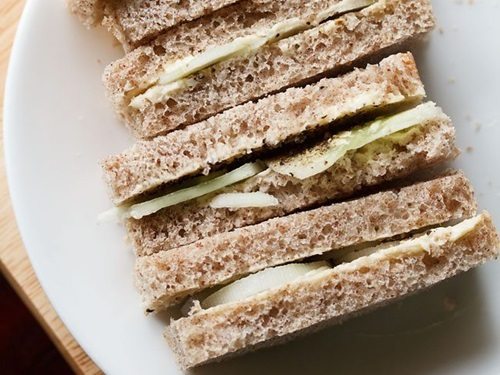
{"x": 58, "y": 126}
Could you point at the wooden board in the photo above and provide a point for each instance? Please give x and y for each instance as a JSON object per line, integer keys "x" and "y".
{"x": 14, "y": 261}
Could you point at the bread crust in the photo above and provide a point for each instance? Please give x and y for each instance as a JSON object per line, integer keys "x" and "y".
{"x": 262, "y": 125}
{"x": 305, "y": 306}
{"x": 329, "y": 49}
{"x": 166, "y": 277}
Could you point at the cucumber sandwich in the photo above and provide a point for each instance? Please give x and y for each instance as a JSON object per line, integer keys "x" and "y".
{"x": 251, "y": 49}
{"x": 287, "y": 172}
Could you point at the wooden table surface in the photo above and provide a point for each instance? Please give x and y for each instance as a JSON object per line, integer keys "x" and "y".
{"x": 14, "y": 261}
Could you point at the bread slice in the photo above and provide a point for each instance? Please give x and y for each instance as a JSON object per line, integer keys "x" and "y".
{"x": 329, "y": 49}
{"x": 166, "y": 277}
{"x": 135, "y": 22}
{"x": 239, "y": 19}
{"x": 264, "y": 124}
{"x": 331, "y": 297}
{"x": 371, "y": 165}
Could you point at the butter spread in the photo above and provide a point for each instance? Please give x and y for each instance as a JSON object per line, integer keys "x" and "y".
{"x": 437, "y": 237}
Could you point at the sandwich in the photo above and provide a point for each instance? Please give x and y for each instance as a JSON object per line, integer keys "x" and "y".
{"x": 283, "y": 177}
{"x": 167, "y": 277}
{"x": 279, "y": 303}
{"x": 266, "y": 124}
{"x": 134, "y": 22}
{"x": 260, "y": 162}
{"x": 183, "y": 77}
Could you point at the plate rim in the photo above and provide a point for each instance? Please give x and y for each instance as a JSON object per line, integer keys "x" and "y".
{"x": 22, "y": 37}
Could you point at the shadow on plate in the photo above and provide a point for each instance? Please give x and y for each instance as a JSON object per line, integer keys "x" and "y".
{"x": 427, "y": 332}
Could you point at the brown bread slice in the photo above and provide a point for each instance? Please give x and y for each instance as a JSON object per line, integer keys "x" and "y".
{"x": 134, "y": 22}
{"x": 264, "y": 124}
{"x": 305, "y": 306}
{"x": 167, "y": 277}
{"x": 327, "y": 49}
{"x": 155, "y": 25}
{"x": 228, "y": 20}
{"x": 191, "y": 221}
{"x": 242, "y": 18}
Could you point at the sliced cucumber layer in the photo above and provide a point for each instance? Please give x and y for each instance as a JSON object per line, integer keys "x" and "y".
{"x": 319, "y": 158}
{"x": 243, "y": 200}
{"x": 302, "y": 165}
{"x": 262, "y": 281}
{"x": 210, "y": 185}
{"x": 279, "y": 276}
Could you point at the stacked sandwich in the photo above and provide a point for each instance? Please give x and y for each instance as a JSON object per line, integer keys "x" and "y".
{"x": 272, "y": 189}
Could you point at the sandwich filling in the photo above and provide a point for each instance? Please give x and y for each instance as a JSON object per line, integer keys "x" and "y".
{"x": 277, "y": 277}
{"x": 372, "y": 135}
{"x": 322, "y": 156}
{"x": 262, "y": 281}
{"x": 210, "y": 184}
{"x": 174, "y": 75}
{"x": 243, "y": 200}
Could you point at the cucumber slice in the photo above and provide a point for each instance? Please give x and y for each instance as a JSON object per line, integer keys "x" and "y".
{"x": 319, "y": 158}
{"x": 344, "y": 7}
{"x": 264, "y": 280}
{"x": 243, "y": 200}
{"x": 140, "y": 210}
{"x": 157, "y": 93}
{"x": 202, "y": 185}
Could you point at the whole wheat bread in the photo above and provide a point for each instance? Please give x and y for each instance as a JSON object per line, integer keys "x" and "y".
{"x": 307, "y": 305}
{"x": 326, "y": 49}
{"x": 166, "y": 277}
{"x": 135, "y": 22}
{"x": 368, "y": 166}
{"x": 242, "y": 18}
{"x": 265, "y": 124}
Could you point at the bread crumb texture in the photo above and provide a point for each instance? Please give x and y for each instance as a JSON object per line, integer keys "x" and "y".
{"x": 329, "y": 48}
{"x": 168, "y": 276}
{"x": 264, "y": 124}
{"x": 306, "y": 306}
{"x": 368, "y": 166}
